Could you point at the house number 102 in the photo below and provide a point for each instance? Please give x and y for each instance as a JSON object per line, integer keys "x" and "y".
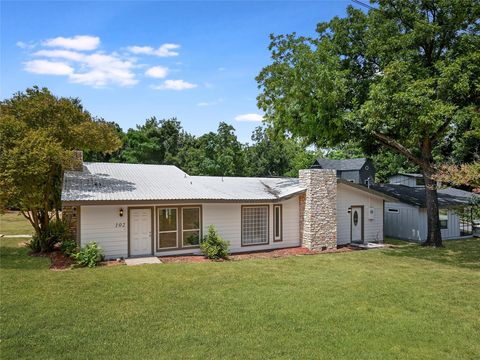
{"x": 119, "y": 225}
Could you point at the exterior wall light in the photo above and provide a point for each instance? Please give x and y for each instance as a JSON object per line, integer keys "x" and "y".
{"x": 120, "y": 212}
{"x": 349, "y": 210}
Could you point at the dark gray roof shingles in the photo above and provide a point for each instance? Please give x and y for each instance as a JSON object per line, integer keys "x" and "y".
{"x": 416, "y": 195}
{"x": 340, "y": 165}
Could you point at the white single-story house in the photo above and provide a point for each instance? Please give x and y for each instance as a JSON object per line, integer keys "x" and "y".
{"x": 143, "y": 210}
{"x": 407, "y": 218}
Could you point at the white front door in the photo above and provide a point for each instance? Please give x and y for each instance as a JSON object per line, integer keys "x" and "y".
{"x": 140, "y": 232}
{"x": 356, "y": 224}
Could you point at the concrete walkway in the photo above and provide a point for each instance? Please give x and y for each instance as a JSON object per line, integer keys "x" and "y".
{"x": 15, "y": 236}
{"x": 142, "y": 260}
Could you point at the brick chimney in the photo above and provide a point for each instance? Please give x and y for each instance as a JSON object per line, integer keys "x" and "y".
{"x": 78, "y": 160}
{"x": 318, "y": 209}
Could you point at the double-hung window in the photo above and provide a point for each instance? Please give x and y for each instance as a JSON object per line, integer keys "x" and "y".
{"x": 443, "y": 214}
{"x": 190, "y": 226}
{"x": 167, "y": 228}
{"x": 254, "y": 225}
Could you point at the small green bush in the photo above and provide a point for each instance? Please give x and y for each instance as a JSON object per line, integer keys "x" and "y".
{"x": 57, "y": 231}
{"x": 68, "y": 247}
{"x": 34, "y": 244}
{"x": 89, "y": 255}
{"x": 213, "y": 246}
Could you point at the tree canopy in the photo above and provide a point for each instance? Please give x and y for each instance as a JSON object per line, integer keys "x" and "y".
{"x": 403, "y": 76}
{"x": 39, "y": 133}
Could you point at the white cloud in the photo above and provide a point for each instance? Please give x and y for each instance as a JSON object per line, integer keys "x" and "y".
{"x": 249, "y": 117}
{"x": 174, "y": 85}
{"x": 48, "y": 67}
{"x": 158, "y": 72}
{"x": 24, "y": 45}
{"x": 209, "y": 103}
{"x": 165, "y": 50}
{"x": 221, "y": 69}
{"x": 61, "y": 54}
{"x": 78, "y": 42}
{"x": 95, "y": 69}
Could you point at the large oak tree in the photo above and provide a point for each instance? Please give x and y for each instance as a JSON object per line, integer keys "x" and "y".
{"x": 402, "y": 75}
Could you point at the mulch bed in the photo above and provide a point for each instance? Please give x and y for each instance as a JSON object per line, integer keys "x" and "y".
{"x": 60, "y": 261}
{"x": 296, "y": 251}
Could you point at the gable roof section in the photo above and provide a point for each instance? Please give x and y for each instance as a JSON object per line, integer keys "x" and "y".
{"x": 340, "y": 165}
{"x": 139, "y": 182}
{"x": 416, "y": 196}
{"x": 367, "y": 189}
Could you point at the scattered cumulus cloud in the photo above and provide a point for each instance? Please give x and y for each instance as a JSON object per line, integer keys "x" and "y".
{"x": 94, "y": 69}
{"x": 158, "y": 72}
{"x": 165, "y": 50}
{"x": 46, "y": 67}
{"x": 78, "y": 42}
{"x": 81, "y": 60}
{"x": 210, "y": 103}
{"x": 249, "y": 117}
{"x": 24, "y": 45}
{"x": 174, "y": 85}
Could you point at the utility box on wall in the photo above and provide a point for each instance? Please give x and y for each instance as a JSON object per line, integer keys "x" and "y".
{"x": 371, "y": 213}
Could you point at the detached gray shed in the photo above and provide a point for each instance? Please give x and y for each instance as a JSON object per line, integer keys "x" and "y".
{"x": 407, "y": 219}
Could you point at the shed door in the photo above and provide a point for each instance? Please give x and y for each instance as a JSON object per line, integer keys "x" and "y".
{"x": 357, "y": 224}
{"x": 140, "y": 232}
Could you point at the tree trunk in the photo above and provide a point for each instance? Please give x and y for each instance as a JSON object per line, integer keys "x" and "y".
{"x": 434, "y": 235}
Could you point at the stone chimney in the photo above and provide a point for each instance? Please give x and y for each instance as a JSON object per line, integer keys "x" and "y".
{"x": 78, "y": 160}
{"x": 318, "y": 209}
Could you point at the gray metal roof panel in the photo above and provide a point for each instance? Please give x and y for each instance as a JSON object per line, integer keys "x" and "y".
{"x": 129, "y": 182}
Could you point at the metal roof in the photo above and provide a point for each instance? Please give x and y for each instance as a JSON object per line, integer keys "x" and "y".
{"x": 131, "y": 182}
{"x": 411, "y": 175}
{"x": 448, "y": 197}
{"x": 341, "y": 165}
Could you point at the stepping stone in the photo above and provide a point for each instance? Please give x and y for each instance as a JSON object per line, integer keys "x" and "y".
{"x": 142, "y": 260}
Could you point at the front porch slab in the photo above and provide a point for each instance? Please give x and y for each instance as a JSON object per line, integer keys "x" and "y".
{"x": 142, "y": 260}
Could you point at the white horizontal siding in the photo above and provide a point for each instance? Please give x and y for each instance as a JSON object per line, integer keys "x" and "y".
{"x": 347, "y": 197}
{"x": 98, "y": 224}
{"x": 227, "y": 220}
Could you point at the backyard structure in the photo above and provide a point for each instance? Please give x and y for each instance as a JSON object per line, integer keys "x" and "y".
{"x": 143, "y": 210}
{"x": 407, "y": 218}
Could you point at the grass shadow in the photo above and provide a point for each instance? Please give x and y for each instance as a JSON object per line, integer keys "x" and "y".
{"x": 459, "y": 253}
{"x": 15, "y": 256}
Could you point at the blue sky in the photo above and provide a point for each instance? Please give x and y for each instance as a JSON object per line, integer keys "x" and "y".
{"x": 128, "y": 61}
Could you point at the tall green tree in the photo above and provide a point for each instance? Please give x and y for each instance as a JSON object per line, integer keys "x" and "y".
{"x": 220, "y": 153}
{"x": 39, "y": 134}
{"x": 402, "y": 76}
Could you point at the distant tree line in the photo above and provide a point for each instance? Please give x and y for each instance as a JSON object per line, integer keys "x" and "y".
{"x": 217, "y": 153}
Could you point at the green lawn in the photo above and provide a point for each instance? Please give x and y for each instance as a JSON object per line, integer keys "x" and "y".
{"x": 402, "y": 303}
{"x": 14, "y": 223}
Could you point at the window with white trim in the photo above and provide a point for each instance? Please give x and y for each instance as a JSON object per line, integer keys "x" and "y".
{"x": 254, "y": 225}
{"x": 277, "y": 223}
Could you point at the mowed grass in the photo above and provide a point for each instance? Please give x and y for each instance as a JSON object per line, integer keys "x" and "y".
{"x": 375, "y": 304}
{"x": 14, "y": 223}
